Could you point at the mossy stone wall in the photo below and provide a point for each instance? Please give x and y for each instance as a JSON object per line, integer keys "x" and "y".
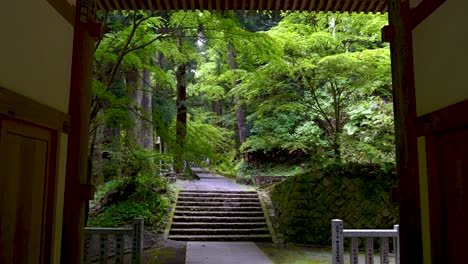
{"x": 359, "y": 194}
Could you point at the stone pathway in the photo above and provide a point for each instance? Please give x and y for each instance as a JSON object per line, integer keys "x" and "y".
{"x": 225, "y": 253}
{"x": 212, "y": 182}
{"x": 220, "y": 252}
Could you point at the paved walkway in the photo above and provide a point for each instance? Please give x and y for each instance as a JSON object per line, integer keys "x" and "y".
{"x": 213, "y": 182}
{"x": 224, "y": 253}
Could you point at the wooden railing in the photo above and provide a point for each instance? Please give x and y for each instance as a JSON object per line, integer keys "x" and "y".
{"x": 338, "y": 235}
{"x": 119, "y": 234}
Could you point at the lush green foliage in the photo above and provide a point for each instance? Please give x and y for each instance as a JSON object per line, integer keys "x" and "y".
{"x": 121, "y": 200}
{"x": 267, "y": 93}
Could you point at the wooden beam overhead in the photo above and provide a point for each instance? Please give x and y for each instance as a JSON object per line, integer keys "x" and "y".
{"x": 278, "y": 4}
{"x": 362, "y": 6}
{"x": 109, "y": 6}
{"x": 311, "y": 5}
{"x": 269, "y": 5}
{"x": 100, "y": 5}
{"x": 328, "y": 6}
{"x": 168, "y": 7}
{"x": 345, "y": 6}
{"x": 320, "y": 5}
{"x": 210, "y": 6}
{"x": 201, "y": 4}
{"x": 150, "y": 4}
{"x": 371, "y": 6}
{"x": 353, "y": 7}
{"x": 336, "y": 7}
{"x": 134, "y": 6}
{"x": 125, "y": 5}
{"x": 286, "y": 4}
{"x": 381, "y": 7}
{"x": 158, "y": 3}
{"x": 303, "y": 5}
{"x": 366, "y": 6}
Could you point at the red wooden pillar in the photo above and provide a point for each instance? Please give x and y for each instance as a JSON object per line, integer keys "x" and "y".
{"x": 405, "y": 131}
{"x": 76, "y": 189}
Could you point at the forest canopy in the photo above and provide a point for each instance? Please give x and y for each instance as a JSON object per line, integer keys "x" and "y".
{"x": 238, "y": 91}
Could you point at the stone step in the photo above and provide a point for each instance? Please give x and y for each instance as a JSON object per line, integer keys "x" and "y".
{"x": 216, "y": 219}
{"x": 224, "y": 204}
{"x": 233, "y": 195}
{"x": 217, "y": 199}
{"x": 221, "y": 237}
{"x": 215, "y": 213}
{"x": 219, "y": 208}
{"x": 207, "y": 225}
{"x": 218, "y": 231}
{"x": 232, "y": 192}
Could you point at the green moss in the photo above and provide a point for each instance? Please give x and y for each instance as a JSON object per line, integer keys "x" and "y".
{"x": 359, "y": 194}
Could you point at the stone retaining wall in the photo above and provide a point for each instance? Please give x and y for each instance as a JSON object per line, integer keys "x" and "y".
{"x": 306, "y": 203}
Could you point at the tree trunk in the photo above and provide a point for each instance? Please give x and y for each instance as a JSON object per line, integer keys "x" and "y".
{"x": 134, "y": 85}
{"x": 240, "y": 107}
{"x": 181, "y": 124}
{"x": 146, "y": 132}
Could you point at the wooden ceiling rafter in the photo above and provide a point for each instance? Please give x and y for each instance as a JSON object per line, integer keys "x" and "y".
{"x": 192, "y": 4}
{"x": 312, "y": 4}
{"x": 125, "y": 5}
{"x": 150, "y": 5}
{"x": 320, "y": 5}
{"x": 381, "y": 7}
{"x": 158, "y": 3}
{"x": 303, "y": 5}
{"x": 365, "y": 6}
{"x": 168, "y": 6}
{"x": 286, "y": 5}
{"x": 345, "y": 6}
{"x": 371, "y": 6}
{"x": 362, "y": 6}
{"x": 100, "y": 5}
{"x": 329, "y": 5}
{"x": 353, "y": 7}
{"x": 336, "y": 7}
{"x": 278, "y": 4}
{"x": 269, "y": 5}
{"x": 201, "y": 4}
{"x": 134, "y": 6}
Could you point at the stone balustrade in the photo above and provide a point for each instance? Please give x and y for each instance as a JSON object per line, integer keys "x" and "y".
{"x": 104, "y": 236}
{"x": 338, "y": 235}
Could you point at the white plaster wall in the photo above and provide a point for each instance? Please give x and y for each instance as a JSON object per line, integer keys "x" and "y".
{"x": 35, "y": 60}
{"x": 36, "y": 51}
{"x": 441, "y": 57}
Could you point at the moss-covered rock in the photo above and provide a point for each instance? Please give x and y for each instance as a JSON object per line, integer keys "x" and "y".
{"x": 359, "y": 194}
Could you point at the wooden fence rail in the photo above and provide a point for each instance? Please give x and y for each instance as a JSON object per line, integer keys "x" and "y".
{"x": 119, "y": 234}
{"x": 338, "y": 235}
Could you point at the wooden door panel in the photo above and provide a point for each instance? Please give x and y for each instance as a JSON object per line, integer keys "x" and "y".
{"x": 25, "y": 152}
{"x": 453, "y": 172}
{"x": 448, "y": 202}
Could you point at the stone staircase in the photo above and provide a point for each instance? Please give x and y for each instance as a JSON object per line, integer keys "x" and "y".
{"x": 219, "y": 216}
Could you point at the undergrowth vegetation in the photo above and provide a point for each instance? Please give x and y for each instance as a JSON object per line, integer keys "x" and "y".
{"x": 119, "y": 201}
